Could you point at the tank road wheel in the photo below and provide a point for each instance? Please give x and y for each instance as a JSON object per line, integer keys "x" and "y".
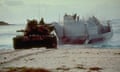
{"x": 17, "y": 43}
{"x": 52, "y": 43}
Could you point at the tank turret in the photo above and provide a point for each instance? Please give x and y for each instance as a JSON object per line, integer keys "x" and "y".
{"x": 36, "y": 35}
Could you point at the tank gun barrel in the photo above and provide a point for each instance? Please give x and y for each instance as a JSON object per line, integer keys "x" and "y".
{"x": 21, "y": 30}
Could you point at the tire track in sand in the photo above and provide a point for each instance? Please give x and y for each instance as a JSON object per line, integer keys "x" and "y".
{"x": 8, "y": 52}
{"x": 24, "y": 55}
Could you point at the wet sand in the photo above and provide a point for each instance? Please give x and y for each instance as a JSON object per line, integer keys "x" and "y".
{"x": 63, "y": 59}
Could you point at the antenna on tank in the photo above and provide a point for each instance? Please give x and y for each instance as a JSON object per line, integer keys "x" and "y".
{"x": 59, "y": 18}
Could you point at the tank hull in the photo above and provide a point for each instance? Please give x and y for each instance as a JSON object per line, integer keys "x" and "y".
{"x": 22, "y": 42}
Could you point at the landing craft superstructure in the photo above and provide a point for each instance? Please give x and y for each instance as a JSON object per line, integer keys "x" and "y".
{"x": 79, "y": 31}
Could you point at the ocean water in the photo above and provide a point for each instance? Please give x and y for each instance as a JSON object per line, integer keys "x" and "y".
{"x": 9, "y": 31}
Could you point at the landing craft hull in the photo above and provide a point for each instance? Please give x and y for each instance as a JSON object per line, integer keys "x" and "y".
{"x": 92, "y": 39}
{"x": 66, "y": 40}
{"x": 79, "y": 31}
{"x": 100, "y": 38}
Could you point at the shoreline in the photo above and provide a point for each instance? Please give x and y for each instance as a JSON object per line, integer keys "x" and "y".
{"x": 73, "y": 59}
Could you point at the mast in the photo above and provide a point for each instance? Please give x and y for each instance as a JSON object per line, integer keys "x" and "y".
{"x": 64, "y": 36}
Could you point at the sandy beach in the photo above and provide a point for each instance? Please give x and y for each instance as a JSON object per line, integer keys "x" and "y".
{"x": 63, "y": 59}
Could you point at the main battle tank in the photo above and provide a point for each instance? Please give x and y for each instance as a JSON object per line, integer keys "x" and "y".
{"x": 36, "y": 35}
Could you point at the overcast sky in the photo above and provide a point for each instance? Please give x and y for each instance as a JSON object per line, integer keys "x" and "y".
{"x": 17, "y": 11}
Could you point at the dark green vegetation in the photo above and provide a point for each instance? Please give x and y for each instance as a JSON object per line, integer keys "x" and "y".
{"x": 3, "y": 23}
{"x": 24, "y": 69}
